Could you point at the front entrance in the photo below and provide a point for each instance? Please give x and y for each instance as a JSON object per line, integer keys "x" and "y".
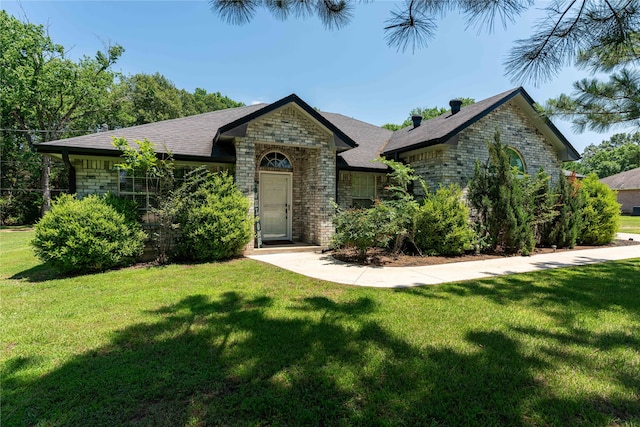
{"x": 275, "y": 205}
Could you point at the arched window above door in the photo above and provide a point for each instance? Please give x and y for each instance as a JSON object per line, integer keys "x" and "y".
{"x": 275, "y": 160}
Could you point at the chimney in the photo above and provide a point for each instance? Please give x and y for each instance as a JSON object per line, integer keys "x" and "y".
{"x": 455, "y": 106}
{"x": 417, "y": 120}
{"x": 104, "y": 127}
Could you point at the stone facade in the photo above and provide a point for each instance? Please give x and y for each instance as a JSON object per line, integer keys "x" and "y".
{"x": 454, "y": 162}
{"x": 312, "y": 154}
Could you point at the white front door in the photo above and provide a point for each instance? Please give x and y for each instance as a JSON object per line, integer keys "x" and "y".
{"x": 275, "y": 205}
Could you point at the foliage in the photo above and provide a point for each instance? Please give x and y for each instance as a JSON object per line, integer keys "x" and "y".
{"x": 442, "y": 223}
{"x": 563, "y": 229}
{"x": 426, "y": 113}
{"x": 127, "y": 207}
{"x": 600, "y": 105}
{"x": 19, "y": 173}
{"x": 569, "y": 30}
{"x": 247, "y": 343}
{"x": 618, "y": 154}
{"x": 503, "y": 210}
{"x": 86, "y": 235}
{"x": 364, "y": 228}
{"x": 148, "y": 98}
{"x": 46, "y": 96}
{"x": 389, "y": 223}
{"x": 600, "y": 214}
{"x": 213, "y": 217}
{"x": 541, "y": 200}
{"x": 158, "y": 169}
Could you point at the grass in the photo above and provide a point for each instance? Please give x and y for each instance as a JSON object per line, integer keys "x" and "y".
{"x": 629, "y": 224}
{"x": 243, "y": 343}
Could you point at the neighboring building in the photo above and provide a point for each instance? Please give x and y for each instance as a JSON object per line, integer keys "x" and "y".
{"x": 627, "y": 184}
{"x": 293, "y": 161}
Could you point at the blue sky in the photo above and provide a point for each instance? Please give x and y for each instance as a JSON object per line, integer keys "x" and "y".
{"x": 350, "y": 71}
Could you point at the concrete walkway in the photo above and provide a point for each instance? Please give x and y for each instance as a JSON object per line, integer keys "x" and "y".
{"x": 323, "y": 266}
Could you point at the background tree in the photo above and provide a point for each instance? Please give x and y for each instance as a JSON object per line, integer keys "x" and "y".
{"x": 147, "y": 98}
{"x": 568, "y": 28}
{"x": 426, "y": 113}
{"x": 618, "y": 154}
{"x": 43, "y": 94}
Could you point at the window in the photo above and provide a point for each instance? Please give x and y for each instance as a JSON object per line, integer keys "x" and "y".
{"x": 139, "y": 188}
{"x": 516, "y": 160}
{"x": 275, "y": 160}
{"x": 363, "y": 190}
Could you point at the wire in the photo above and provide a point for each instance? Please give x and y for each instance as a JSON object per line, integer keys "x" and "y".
{"x": 48, "y": 131}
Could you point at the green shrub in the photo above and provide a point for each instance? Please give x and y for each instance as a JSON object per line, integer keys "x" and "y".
{"x": 365, "y": 228}
{"x": 127, "y": 207}
{"x": 213, "y": 218}
{"x": 600, "y": 214}
{"x": 442, "y": 223}
{"x": 86, "y": 235}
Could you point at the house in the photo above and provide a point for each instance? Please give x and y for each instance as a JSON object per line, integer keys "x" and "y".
{"x": 293, "y": 161}
{"x": 627, "y": 184}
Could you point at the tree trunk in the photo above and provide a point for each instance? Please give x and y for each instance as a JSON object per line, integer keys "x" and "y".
{"x": 45, "y": 184}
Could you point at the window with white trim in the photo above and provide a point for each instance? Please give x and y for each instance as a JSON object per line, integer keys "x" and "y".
{"x": 363, "y": 190}
{"x": 275, "y": 160}
{"x": 140, "y": 188}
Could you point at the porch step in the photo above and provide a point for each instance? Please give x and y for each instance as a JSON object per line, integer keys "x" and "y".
{"x": 286, "y": 248}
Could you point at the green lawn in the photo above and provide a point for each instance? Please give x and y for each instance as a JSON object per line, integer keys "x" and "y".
{"x": 629, "y": 224}
{"x": 242, "y": 343}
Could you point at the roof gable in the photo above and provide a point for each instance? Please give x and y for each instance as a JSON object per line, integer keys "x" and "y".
{"x": 440, "y": 129}
{"x": 239, "y": 127}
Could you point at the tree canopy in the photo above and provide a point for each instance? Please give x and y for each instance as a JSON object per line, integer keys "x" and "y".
{"x": 426, "y": 113}
{"x": 569, "y": 27}
{"x": 618, "y": 154}
{"x": 45, "y": 95}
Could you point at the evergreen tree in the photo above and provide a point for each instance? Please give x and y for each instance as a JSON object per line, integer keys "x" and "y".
{"x": 564, "y": 227}
{"x": 499, "y": 196}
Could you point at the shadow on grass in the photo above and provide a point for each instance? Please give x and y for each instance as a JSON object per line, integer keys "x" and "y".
{"x": 593, "y": 287}
{"x": 39, "y": 273}
{"x": 237, "y": 360}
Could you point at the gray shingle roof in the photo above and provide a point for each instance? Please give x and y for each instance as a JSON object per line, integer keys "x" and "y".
{"x": 185, "y": 137}
{"x": 370, "y": 140}
{"x": 440, "y": 128}
{"x": 629, "y": 180}
{"x": 192, "y": 137}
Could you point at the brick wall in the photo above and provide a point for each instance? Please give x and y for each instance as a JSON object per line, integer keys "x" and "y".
{"x": 312, "y": 154}
{"x": 454, "y": 161}
{"x": 95, "y": 176}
